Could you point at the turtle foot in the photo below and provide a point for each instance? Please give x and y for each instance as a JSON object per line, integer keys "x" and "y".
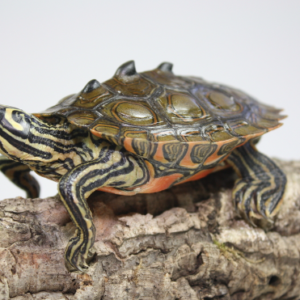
{"x": 257, "y": 201}
{"x": 76, "y": 259}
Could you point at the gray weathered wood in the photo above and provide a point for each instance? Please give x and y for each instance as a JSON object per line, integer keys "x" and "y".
{"x": 184, "y": 243}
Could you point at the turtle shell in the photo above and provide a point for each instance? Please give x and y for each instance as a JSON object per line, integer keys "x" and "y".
{"x": 159, "y": 115}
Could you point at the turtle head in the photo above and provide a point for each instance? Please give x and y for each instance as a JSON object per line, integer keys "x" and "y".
{"x": 15, "y": 127}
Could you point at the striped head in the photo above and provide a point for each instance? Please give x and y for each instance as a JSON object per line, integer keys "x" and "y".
{"x": 15, "y": 126}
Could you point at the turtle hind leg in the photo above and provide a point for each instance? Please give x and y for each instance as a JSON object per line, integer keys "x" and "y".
{"x": 20, "y": 175}
{"x": 258, "y": 193}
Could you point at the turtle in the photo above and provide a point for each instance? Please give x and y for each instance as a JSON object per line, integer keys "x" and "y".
{"x": 142, "y": 133}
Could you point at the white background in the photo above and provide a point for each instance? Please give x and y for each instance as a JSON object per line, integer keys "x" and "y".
{"x": 49, "y": 49}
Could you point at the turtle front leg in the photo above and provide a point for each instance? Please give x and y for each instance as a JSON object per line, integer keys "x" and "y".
{"x": 258, "y": 193}
{"x": 114, "y": 170}
{"x": 20, "y": 175}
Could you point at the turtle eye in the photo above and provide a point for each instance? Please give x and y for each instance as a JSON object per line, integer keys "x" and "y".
{"x": 21, "y": 118}
{"x": 18, "y": 116}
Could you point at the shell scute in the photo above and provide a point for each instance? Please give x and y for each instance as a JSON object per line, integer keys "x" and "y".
{"x": 243, "y": 128}
{"x": 228, "y": 147}
{"x": 216, "y": 132}
{"x": 141, "y": 147}
{"x": 167, "y": 78}
{"x": 200, "y": 152}
{"x": 137, "y": 113}
{"x": 92, "y": 98}
{"x": 133, "y": 86}
{"x": 106, "y": 130}
{"x": 219, "y": 135}
{"x": 83, "y": 118}
{"x": 165, "y": 136}
{"x": 267, "y": 124}
{"x": 173, "y": 152}
{"x": 191, "y": 135}
{"x": 220, "y": 102}
{"x": 181, "y": 108}
{"x": 137, "y": 142}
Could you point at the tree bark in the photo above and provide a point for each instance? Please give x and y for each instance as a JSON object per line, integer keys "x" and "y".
{"x": 183, "y": 243}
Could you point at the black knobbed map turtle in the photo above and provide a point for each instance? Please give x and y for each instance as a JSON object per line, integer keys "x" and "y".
{"x": 141, "y": 133}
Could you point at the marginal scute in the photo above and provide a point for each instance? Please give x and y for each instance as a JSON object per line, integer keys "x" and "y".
{"x": 141, "y": 147}
{"x": 265, "y": 123}
{"x": 137, "y": 141}
{"x": 265, "y": 107}
{"x": 217, "y": 133}
{"x": 173, "y": 151}
{"x": 82, "y": 118}
{"x": 55, "y": 111}
{"x": 247, "y": 130}
{"x": 243, "y": 128}
{"x": 272, "y": 115}
{"x": 200, "y": 152}
{"x": 191, "y": 135}
{"x": 165, "y": 67}
{"x": 228, "y": 147}
{"x": 106, "y": 130}
{"x": 220, "y": 136}
{"x": 136, "y": 134}
{"x": 165, "y": 136}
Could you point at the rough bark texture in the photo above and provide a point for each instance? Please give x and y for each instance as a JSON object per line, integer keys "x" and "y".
{"x": 184, "y": 243}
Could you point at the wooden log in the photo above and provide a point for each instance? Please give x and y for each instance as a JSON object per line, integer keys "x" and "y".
{"x": 183, "y": 243}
